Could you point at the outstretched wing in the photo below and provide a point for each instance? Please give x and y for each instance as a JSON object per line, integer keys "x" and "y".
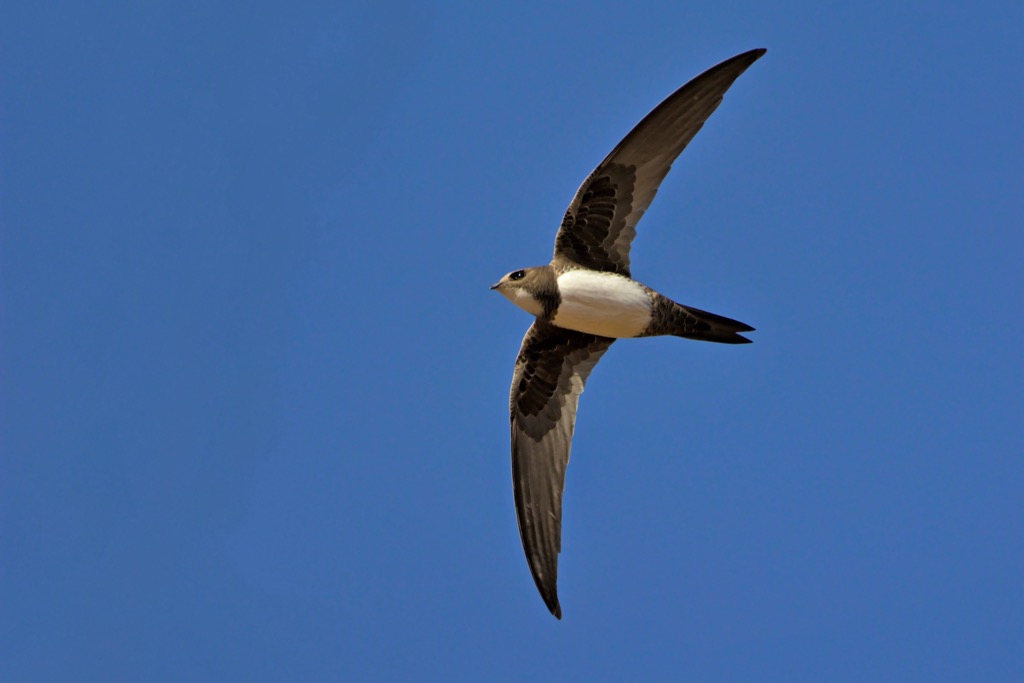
{"x": 600, "y": 224}
{"x": 552, "y": 367}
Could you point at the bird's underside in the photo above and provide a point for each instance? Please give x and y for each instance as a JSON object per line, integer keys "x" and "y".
{"x": 554, "y": 362}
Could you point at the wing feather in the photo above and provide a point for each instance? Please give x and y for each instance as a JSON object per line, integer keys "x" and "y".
{"x": 551, "y": 370}
{"x": 600, "y": 223}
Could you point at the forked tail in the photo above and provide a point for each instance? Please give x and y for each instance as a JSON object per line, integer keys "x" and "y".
{"x": 693, "y": 323}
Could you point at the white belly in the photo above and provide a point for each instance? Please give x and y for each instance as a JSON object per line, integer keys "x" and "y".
{"x": 602, "y": 303}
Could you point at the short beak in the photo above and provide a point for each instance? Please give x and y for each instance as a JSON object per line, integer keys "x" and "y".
{"x": 496, "y": 285}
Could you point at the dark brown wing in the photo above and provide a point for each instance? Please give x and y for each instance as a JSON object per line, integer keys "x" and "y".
{"x": 600, "y": 224}
{"x": 552, "y": 367}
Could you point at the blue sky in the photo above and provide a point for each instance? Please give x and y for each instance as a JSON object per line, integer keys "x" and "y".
{"x": 254, "y": 385}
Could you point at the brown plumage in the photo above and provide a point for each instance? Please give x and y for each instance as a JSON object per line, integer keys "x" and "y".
{"x": 589, "y": 284}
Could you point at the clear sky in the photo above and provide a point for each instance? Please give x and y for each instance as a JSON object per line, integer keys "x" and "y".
{"x": 254, "y": 384}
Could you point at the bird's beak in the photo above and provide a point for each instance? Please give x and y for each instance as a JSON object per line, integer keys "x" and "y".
{"x": 496, "y": 285}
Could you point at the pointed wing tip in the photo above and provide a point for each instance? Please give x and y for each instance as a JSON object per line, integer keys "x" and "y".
{"x": 745, "y": 58}
{"x": 547, "y": 586}
{"x": 549, "y": 594}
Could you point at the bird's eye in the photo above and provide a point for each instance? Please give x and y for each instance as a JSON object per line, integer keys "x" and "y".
{"x": 518, "y": 275}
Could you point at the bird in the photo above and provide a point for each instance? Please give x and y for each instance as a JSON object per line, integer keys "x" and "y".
{"x": 586, "y": 298}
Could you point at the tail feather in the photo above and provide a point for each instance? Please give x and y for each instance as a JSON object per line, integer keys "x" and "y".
{"x": 712, "y": 327}
{"x": 693, "y": 323}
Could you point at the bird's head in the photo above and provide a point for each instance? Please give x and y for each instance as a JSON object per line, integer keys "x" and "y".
{"x": 531, "y": 289}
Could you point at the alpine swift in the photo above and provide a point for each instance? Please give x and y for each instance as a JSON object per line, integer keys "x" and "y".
{"x": 586, "y": 298}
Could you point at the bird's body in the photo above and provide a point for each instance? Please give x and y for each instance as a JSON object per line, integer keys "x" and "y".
{"x": 604, "y": 304}
{"x": 586, "y": 298}
{"x": 589, "y": 301}
{"x": 615, "y": 306}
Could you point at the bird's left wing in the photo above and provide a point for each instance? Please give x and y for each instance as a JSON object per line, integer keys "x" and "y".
{"x": 552, "y": 367}
{"x": 600, "y": 223}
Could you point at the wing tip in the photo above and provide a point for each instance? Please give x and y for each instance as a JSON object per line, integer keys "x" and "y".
{"x": 548, "y": 589}
{"x": 553, "y": 606}
{"x": 745, "y": 59}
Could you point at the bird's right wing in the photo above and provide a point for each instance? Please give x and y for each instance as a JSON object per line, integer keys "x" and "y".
{"x": 552, "y": 367}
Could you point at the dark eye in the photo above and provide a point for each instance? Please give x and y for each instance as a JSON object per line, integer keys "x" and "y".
{"x": 518, "y": 275}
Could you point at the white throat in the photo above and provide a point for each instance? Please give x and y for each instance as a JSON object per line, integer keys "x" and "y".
{"x": 523, "y": 299}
